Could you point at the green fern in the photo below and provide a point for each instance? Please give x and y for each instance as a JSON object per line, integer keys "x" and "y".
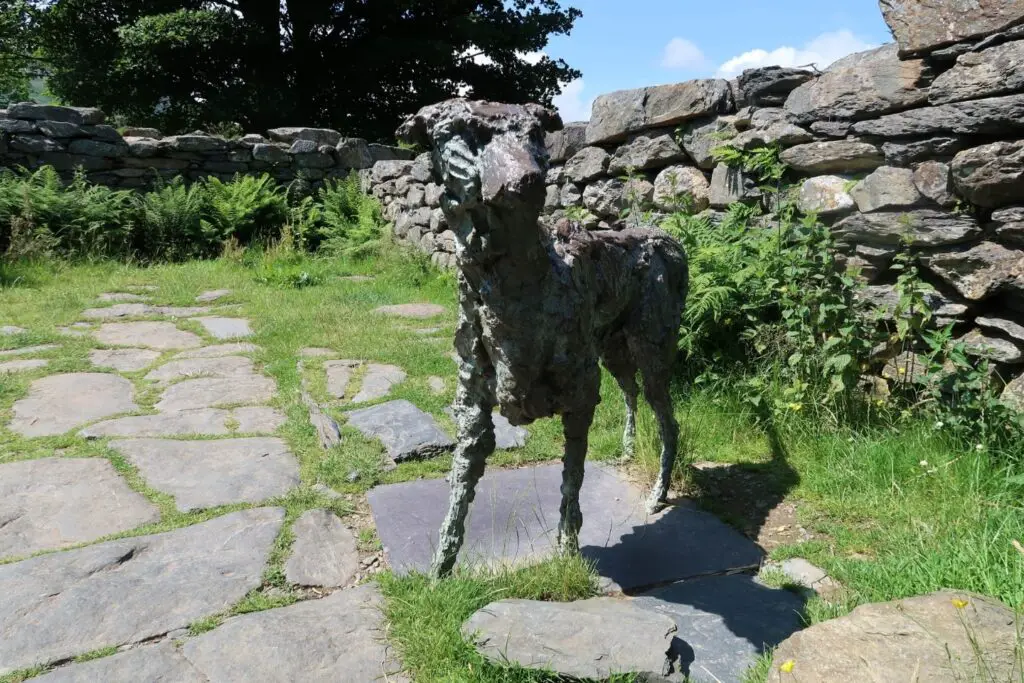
{"x": 247, "y": 209}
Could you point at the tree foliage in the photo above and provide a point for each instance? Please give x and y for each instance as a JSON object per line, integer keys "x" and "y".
{"x": 354, "y": 65}
{"x": 17, "y": 59}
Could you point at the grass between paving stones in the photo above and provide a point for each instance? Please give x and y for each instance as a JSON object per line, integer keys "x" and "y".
{"x": 894, "y": 512}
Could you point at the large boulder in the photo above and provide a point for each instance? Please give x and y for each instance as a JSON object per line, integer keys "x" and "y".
{"x": 934, "y": 180}
{"x": 833, "y": 156}
{"x": 646, "y": 152}
{"x": 886, "y": 188}
{"x": 912, "y": 151}
{"x": 922, "y": 227}
{"x": 825, "y": 195}
{"x": 863, "y": 85}
{"x": 681, "y": 187}
{"x": 701, "y": 137}
{"x": 996, "y": 349}
{"x": 990, "y": 116}
{"x": 609, "y": 198}
{"x": 49, "y": 112}
{"x": 921, "y": 27}
{"x": 991, "y": 175}
{"x": 587, "y": 164}
{"x": 354, "y": 153}
{"x": 564, "y": 143}
{"x": 620, "y": 113}
{"x": 769, "y": 86}
{"x": 777, "y": 133}
{"x": 996, "y": 71}
{"x": 1008, "y": 225}
{"x": 980, "y": 271}
{"x": 728, "y": 185}
{"x": 321, "y": 136}
{"x": 941, "y": 638}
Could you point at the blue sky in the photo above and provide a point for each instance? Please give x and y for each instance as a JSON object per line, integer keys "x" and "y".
{"x": 620, "y": 44}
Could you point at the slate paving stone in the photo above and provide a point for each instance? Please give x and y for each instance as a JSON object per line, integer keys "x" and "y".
{"x": 61, "y": 605}
{"x": 13, "y": 366}
{"x": 11, "y": 329}
{"x": 28, "y": 350}
{"x": 148, "y": 664}
{"x": 204, "y": 474}
{"x": 163, "y": 336}
{"x": 414, "y": 311}
{"x": 123, "y": 360}
{"x": 725, "y": 623}
{"x": 337, "y": 638}
{"x": 339, "y": 374}
{"x": 213, "y": 392}
{"x": 56, "y": 502}
{"x": 188, "y": 368}
{"x": 436, "y": 385}
{"x": 128, "y": 297}
{"x": 212, "y": 295}
{"x": 58, "y": 403}
{"x": 218, "y": 350}
{"x": 406, "y": 431}
{"x": 378, "y": 381}
{"x": 514, "y": 519}
{"x": 198, "y": 422}
{"x": 506, "y": 436}
{"x": 226, "y": 328}
{"x": 140, "y": 310}
{"x": 324, "y": 553}
{"x": 592, "y": 639}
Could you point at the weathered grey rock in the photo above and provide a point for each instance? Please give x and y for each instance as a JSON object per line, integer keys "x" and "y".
{"x": 552, "y": 197}
{"x": 406, "y": 431}
{"x": 886, "y": 188}
{"x": 154, "y": 335}
{"x": 833, "y": 156}
{"x": 591, "y": 639}
{"x": 28, "y": 350}
{"x": 645, "y": 152}
{"x": 138, "y": 310}
{"x": 1013, "y": 394}
{"x": 923, "y": 227}
{"x": 990, "y": 116}
{"x": 46, "y": 112}
{"x": 354, "y": 153}
{"x": 11, "y": 330}
{"x": 779, "y": 133}
{"x": 609, "y": 198}
{"x": 1008, "y": 327}
{"x": 338, "y": 638}
{"x": 58, "y": 403}
{"x": 862, "y": 85}
{"x": 56, "y": 502}
{"x": 414, "y": 311}
{"x": 991, "y": 175}
{"x": 213, "y": 392}
{"x": 977, "y": 343}
{"x": 920, "y": 28}
{"x": 700, "y": 138}
{"x": 186, "y": 368}
{"x": 143, "y": 149}
{"x": 934, "y": 180}
{"x": 203, "y": 474}
{"x": 724, "y": 623}
{"x": 35, "y": 144}
{"x": 979, "y": 271}
{"x": 324, "y": 552}
{"x": 675, "y": 184}
{"x": 136, "y": 132}
{"x": 885, "y": 299}
{"x": 378, "y": 381}
{"x": 339, "y": 374}
{"x": 1008, "y": 225}
{"x": 563, "y": 144}
{"x": 825, "y": 195}
{"x": 194, "y": 143}
{"x": 927, "y": 637}
{"x": 587, "y": 164}
{"x": 907, "y": 152}
{"x": 831, "y": 129}
{"x": 218, "y": 350}
{"x": 130, "y": 590}
{"x": 12, "y": 366}
{"x": 320, "y": 136}
{"x": 198, "y": 422}
{"x": 571, "y": 195}
{"x": 998, "y": 70}
{"x": 98, "y": 148}
{"x": 390, "y": 153}
{"x": 271, "y": 154}
{"x": 728, "y": 185}
{"x": 14, "y": 126}
{"x": 59, "y": 129}
{"x": 159, "y": 663}
{"x": 212, "y": 295}
{"x": 769, "y": 86}
{"x": 226, "y": 328}
{"x": 123, "y": 360}
{"x": 436, "y": 384}
{"x": 122, "y": 296}
{"x": 617, "y": 114}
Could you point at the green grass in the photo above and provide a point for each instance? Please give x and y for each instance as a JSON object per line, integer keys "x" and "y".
{"x": 887, "y": 526}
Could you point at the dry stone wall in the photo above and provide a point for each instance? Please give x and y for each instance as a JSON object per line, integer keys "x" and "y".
{"x": 68, "y": 138}
{"x": 920, "y": 140}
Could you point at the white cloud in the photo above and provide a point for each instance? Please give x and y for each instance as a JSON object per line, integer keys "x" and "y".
{"x": 822, "y": 51}
{"x": 531, "y": 57}
{"x": 571, "y": 103}
{"x": 681, "y": 53}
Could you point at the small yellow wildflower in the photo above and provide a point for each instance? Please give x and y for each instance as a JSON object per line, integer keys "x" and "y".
{"x": 787, "y": 666}
{"x": 960, "y": 604}
{"x": 796, "y": 406}
{"x": 902, "y": 371}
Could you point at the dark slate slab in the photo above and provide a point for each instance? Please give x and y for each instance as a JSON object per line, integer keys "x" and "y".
{"x": 725, "y": 623}
{"x": 506, "y": 435}
{"x": 515, "y": 517}
{"x": 406, "y": 431}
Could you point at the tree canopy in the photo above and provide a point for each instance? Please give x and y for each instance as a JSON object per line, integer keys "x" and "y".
{"x": 354, "y": 65}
